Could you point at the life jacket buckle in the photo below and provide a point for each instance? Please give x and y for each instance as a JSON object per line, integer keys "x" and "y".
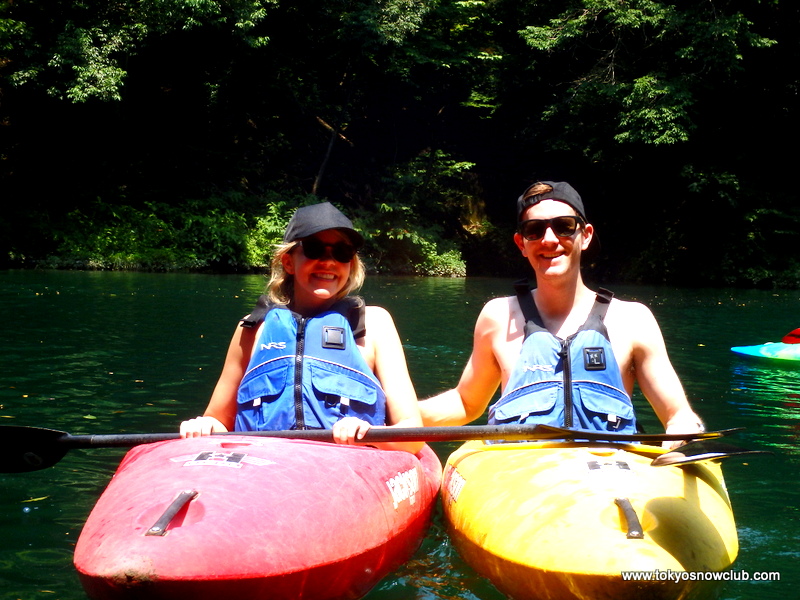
{"x": 594, "y": 359}
{"x": 333, "y": 337}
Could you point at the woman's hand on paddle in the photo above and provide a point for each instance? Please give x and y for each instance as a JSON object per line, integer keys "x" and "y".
{"x": 201, "y": 426}
{"x": 350, "y": 430}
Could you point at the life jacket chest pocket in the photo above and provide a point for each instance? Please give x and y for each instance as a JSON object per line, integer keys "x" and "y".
{"x": 265, "y": 383}
{"x": 601, "y": 407}
{"x": 530, "y": 402}
{"x": 335, "y": 382}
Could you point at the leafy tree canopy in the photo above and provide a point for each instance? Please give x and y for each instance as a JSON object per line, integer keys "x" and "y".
{"x": 424, "y": 119}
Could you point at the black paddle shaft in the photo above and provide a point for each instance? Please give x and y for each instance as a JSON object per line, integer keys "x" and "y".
{"x": 24, "y": 449}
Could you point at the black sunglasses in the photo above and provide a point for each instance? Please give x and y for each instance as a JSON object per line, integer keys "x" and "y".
{"x": 314, "y": 249}
{"x": 534, "y": 229}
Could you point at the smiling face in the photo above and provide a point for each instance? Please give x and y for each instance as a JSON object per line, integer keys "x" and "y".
{"x": 317, "y": 282}
{"x": 553, "y": 256}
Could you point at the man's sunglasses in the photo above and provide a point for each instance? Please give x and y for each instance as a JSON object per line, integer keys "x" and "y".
{"x": 534, "y": 229}
{"x": 315, "y": 249}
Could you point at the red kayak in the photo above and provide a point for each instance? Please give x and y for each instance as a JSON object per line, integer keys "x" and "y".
{"x": 216, "y": 517}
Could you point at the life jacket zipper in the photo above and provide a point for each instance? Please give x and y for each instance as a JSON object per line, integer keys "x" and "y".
{"x": 299, "y": 416}
{"x": 567, "y": 370}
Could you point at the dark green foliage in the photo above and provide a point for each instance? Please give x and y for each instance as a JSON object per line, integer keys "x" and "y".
{"x": 420, "y": 202}
{"x": 166, "y": 134}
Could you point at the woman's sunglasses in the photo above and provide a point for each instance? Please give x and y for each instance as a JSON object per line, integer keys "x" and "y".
{"x": 315, "y": 249}
{"x": 534, "y": 229}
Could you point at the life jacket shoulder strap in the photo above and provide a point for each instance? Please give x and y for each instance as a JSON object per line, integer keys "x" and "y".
{"x": 596, "y": 319}
{"x": 534, "y": 321}
{"x": 256, "y": 316}
{"x": 351, "y": 308}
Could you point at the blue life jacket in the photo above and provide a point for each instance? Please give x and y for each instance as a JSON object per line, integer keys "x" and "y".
{"x": 573, "y": 383}
{"x": 307, "y": 372}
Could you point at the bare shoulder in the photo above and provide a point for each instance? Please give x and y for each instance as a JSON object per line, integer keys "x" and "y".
{"x": 631, "y": 320}
{"x": 500, "y": 322}
{"x": 377, "y": 316}
{"x": 497, "y": 310}
{"x": 629, "y": 309}
{"x": 381, "y": 338}
{"x": 379, "y": 323}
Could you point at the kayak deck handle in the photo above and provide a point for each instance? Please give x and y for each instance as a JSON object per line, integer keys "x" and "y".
{"x": 160, "y": 526}
{"x": 631, "y": 519}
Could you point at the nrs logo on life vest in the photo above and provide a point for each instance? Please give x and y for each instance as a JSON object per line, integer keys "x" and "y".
{"x": 546, "y": 368}
{"x": 274, "y": 346}
{"x": 404, "y": 487}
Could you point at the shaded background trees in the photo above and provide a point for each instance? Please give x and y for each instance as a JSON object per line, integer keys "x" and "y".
{"x": 181, "y": 133}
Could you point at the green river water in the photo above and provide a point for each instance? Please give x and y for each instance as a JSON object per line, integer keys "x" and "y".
{"x": 133, "y": 353}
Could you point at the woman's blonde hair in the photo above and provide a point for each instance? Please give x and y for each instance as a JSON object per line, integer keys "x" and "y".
{"x": 280, "y": 288}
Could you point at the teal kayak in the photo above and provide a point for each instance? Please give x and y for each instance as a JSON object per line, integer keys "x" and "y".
{"x": 772, "y": 350}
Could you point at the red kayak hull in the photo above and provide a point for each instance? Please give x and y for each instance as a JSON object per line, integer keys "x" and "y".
{"x": 270, "y": 518}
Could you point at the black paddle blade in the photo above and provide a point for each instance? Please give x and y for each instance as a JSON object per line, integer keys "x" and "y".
{"x": 24, "y": 449}
{"x": 703, "y": 450}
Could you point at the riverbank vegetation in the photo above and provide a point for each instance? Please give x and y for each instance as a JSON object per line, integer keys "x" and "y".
{"x": 181, "y": 134}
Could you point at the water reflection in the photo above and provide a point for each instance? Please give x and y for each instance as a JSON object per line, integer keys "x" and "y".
{"x": 436, "y": 572}
{"x": 769, "y": 392}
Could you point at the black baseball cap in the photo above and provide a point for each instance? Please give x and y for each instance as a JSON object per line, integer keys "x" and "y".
{"x": 308, "y": 220}
{"x": 562, "y": 191}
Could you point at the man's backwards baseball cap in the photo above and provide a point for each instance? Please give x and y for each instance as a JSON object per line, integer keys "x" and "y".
{"x": 562, "y": 191}
{"x": 308, "y": 220}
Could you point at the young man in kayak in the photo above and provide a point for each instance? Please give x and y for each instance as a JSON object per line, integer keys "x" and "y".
{"x": 312, "y": 356}
{"x": 611, "y": 344}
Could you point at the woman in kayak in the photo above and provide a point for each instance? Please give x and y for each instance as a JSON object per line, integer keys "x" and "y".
{"x": 310, "y": 355}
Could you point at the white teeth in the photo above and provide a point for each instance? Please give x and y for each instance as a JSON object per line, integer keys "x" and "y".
{"x": 328, "y": 276}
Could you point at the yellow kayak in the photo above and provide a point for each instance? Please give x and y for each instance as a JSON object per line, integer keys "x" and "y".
{"x": 589, "y": 521}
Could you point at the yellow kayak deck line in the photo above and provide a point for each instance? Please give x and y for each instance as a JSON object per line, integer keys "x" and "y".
{"x": 565, "y": 520}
